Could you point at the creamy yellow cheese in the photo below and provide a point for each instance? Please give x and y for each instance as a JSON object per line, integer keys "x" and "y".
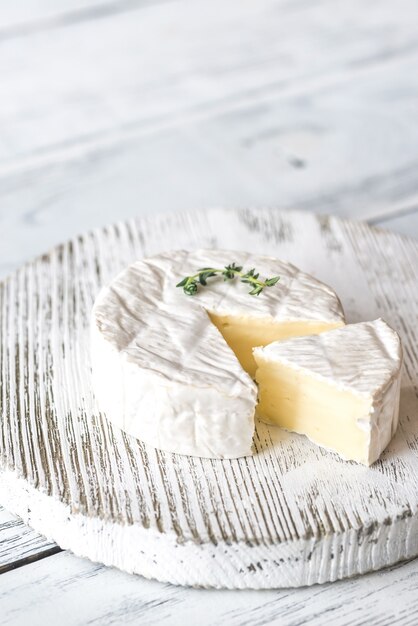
{"x": 242, "y": 334}
{"x": 340, "y": 388}
{"x": 298, "y": 402}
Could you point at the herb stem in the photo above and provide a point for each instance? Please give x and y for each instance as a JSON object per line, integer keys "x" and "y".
{"x": 213, "y": 270}
{"x": 191, "y": 283}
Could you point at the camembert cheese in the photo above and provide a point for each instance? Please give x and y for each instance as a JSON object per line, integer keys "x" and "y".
{"x": 340, "y": 389}
{"x": 176, "y": 371}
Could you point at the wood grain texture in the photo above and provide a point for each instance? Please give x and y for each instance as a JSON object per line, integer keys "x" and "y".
{"x": 19, "y": 544}
{"x": 76, "y": 592}
{"x": 321, "y": 115}
{"x": 202, "y": 166}
{"x": 23, "y": 18}
{"x": 151, "y": 62}
{"x": 405, "y": 222}
{"x": 292, "y": 514}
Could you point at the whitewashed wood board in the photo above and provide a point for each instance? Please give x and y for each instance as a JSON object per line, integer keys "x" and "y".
{"x": 291, "y": 515}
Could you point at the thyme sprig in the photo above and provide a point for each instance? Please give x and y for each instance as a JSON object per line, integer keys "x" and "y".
{"x": 192, "y": 283}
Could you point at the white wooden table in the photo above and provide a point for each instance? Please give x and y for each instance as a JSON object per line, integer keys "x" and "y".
{"x": 114, "y": 108}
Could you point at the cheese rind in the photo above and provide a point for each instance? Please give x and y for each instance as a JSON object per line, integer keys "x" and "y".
{"x": 164, "y": 373}
{"x": 341, "y": 388}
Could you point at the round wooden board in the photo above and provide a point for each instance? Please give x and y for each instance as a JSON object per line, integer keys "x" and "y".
{"x": 293, "y": 514}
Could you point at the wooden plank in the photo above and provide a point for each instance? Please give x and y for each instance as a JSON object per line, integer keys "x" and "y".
{"x": 209, "y": 163}
{"x": 74, "y": 592}
{"x": 405, "y": 223}
{"x": 256, "y": 131}
{"x": 142, "y": 74}
{"x": 21, "y": 18}
{"x": 19, "y": 544}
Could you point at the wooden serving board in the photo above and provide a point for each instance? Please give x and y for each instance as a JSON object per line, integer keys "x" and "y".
{"x": 291, "y": 515}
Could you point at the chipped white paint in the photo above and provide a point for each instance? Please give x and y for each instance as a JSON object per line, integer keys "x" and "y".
{"x": 291, "y": 515}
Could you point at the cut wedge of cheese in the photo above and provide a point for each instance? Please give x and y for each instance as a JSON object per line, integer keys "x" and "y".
{"x": 341, "y": 389}
{"x": 164, "y": 373}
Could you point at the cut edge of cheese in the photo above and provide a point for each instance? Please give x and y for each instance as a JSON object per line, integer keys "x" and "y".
{"x": 341, "y": 389}
{"x": 243, "y": 334}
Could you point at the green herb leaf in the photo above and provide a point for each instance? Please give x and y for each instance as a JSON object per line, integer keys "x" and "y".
{"x": 272, "y": 281}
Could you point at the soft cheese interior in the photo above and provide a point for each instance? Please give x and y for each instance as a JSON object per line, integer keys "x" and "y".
{"x": 164, "y": 373}
{"x": 242, "y": 334}
{"x": 303, "y": 404}
{"x": 340, "y": 389}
